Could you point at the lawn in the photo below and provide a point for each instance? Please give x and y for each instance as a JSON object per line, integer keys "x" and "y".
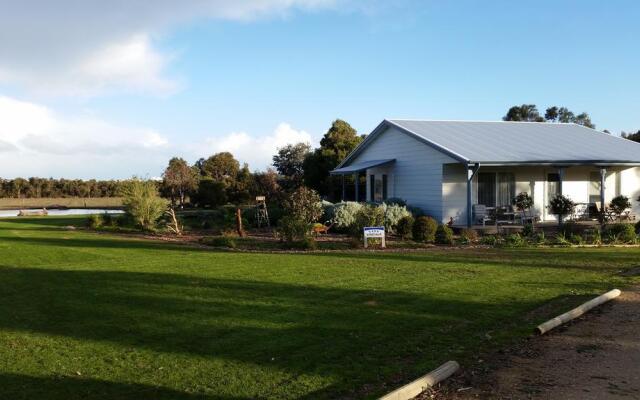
{"x": 86, "y": 315}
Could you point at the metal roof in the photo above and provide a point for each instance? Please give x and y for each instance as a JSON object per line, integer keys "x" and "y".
{"x": 361, "y": 166}
{"x": 502, "y": 142}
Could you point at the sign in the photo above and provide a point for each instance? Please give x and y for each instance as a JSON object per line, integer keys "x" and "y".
{"x": 374, "y": 232}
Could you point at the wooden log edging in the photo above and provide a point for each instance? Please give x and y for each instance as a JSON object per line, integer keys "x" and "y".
{"x": 418, "y": 386}
{"x": 576, "y": 312}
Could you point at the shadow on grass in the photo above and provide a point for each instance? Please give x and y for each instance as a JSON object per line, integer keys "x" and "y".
{"x": 19, "y": 387}
{"x": 359, "y": 336}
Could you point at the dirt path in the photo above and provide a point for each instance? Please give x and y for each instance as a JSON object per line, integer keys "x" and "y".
{"x": 596, "y": 357}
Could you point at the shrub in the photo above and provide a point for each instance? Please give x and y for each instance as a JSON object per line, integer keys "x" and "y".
{"x": 368, "y": 215}
{"x": 490, "y": 240}
{"x": 416, "y": 211}
{"x": 619, "y": 203}
{"x": 638, "y": 227}
{"x": 577, "y": 239}
{"x": 396, "y": 201}
{"x": 444, "y": 235}
{"x": 344, "y": 214}
{"x": 515, "y": 240}
{"x": 596, "y": 238}
{"x": 569, "y": 229}
{"x": 424, "y": 229}
{"x": 527, "y": 230}
{"x": 304, "y": 204}
{"x": 562, "y": 240}
{"x": 303, "y": 244}
{"x": 523, "y": 201}
{"x": 405, "y": 226}
{"x": 210, "y": 193}
{"x": 540, "y": 238}
{"x": 292, "y": 229}
{"x": 142, "y": 202}
{"x": 393, "y": 213}
{"x": 468, "y": 236}
{"x": 95, "y": 221}
{"x": 220, "y": 241}
{"x": 561, "y": 206}
{"x": 620, "y": 233}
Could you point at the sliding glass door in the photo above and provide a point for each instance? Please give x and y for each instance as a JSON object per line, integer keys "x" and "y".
{"x": 496, "y": 189}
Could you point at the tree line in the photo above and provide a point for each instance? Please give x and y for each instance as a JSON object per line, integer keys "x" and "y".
{"x": 49, "y": 187}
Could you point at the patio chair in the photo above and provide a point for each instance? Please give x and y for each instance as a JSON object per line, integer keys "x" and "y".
{"x": 480, "y": 214}
{"x": 505, "y": 215}
{"x": 581, "y": 212}
{"x": 528, "y": 216}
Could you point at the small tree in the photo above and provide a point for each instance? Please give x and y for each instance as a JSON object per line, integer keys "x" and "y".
{"x": 619, "y": 204}
{"x": 179, "y": 179}
{"x": 304, "y": 204}
{"x": 523, "y": 201}
{"x": 142, "y": 202}
{"x": 561, "y": 206}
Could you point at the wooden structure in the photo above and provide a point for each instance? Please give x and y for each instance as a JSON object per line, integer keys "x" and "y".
{"x": 262, "y": 214}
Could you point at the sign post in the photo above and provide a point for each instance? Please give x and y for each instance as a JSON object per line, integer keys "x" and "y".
{"x": 374, "y": 232}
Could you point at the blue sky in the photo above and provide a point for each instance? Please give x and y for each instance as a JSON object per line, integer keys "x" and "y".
{"x": 119, "y": 91}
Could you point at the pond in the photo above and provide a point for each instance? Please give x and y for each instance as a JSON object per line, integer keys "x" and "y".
{"x": 68, "y": 211}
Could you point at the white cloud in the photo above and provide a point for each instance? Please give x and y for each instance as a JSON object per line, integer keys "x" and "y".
{"x": 92, "y": 47}
{"x": 36, "y": 141}
{"x": 256, "y": 150}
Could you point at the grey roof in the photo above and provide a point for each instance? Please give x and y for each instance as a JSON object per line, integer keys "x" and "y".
{"x": 361, "y": 166}
{"x": 517, "y": 142}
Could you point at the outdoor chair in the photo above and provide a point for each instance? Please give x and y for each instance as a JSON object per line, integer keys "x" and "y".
{"x": 480, "y": 214}
{"x": 505, "y": 215}
{"x": 528, "y": 217}
{"x": 581, "y": 212}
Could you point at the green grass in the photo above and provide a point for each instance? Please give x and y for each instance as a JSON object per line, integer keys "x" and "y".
{"x": 88, "y": 316}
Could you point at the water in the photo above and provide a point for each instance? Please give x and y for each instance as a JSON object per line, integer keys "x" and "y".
{"x": 69, "y": 211}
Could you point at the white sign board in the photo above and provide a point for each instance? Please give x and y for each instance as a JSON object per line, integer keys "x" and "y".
{"x": 374, "y": 232}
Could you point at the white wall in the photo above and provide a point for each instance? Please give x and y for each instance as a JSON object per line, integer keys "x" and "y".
{"x": 417, "y": 172}
{"x": 630, "y": 187}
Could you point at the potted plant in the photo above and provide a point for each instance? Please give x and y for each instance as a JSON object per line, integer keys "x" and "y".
{"x": 619, "y": 204}
{"x": 561, "y": 206}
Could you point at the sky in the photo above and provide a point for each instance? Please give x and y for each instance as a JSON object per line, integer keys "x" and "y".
{"x": 95, "y": 89}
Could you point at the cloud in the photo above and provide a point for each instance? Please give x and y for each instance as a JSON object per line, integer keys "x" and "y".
{"x": 257, "y": 151}
{"x": 36, "y": 141}
{"x": 87, "y": 48}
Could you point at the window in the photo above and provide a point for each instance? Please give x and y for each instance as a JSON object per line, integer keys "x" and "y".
{"x": 372, "y": 185}
{"x": 384, "y": 187}
{"x": 487, "y": 189}
{"x": 553, "y": 185}
{"x": 506, "y": 188}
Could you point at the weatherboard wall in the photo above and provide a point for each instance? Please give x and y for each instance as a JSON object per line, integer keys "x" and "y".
{"x": 417, "y": 172}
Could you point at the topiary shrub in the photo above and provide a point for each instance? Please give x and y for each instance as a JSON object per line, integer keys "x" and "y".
{"x": 561, "y": 206}
{"x": 523, "y": 201}
{"x": 619, "y": 204}
{"x": 620, "y": 233}
{"x": 444, "y": 235}
{"x": 405, "y": 227}
{"x": 424, "y": 229}
{"x": 468, "y": 236}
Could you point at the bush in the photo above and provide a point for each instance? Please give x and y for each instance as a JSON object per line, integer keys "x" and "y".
{"x": 596, "y": 238}
{"x": 210, "y": 193}
{"x": 344, "y": 214}
{"x": 638, "y": 227}
{"x": 304, "y": 204}
{"x": 468, "y": 236}
{"x": 292, "y": 229}
{"x": 527, "y": 230}
{"x": 561, "y": 206}
{"x": 540, "y": 238}
{"x": 562, "y": 240}
{"x": 489, "y": 240}
{"x": 396, "y": 201}
{"x": 95, "y": 221}
{"x": 393, "y": 213}
{"x": 142, "y": 202}
{"x": 405, "y": 226}
{"x": 304, "y": 244}
{"x": 577, "y": 239}
{"x": 621, "y": 233}
{"x": 619, "y": 203}
{"x": 515, "y": 240}
{"x": 444, "y": 235}
{"x": 569, "y": 229}
{"x": 220, "y": 241}
{"x": 523, "y": 201}
{"x": 424, "y": 229}
{"x": 368, "y": 215}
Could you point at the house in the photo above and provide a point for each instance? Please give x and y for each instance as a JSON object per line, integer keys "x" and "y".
{"x": 445, "y": 167}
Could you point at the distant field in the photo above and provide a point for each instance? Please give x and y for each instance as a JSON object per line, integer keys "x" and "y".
{"x": 71, "y": 202}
